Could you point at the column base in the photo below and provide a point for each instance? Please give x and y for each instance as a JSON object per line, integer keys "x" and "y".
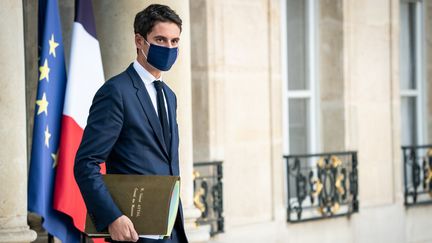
{"x": 19, "y": 234}
{"x": 194, "y": 232}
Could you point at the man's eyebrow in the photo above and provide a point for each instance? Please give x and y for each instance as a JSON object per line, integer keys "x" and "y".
{"x": 159, "y": 37}
{"x": 164, "y": 38}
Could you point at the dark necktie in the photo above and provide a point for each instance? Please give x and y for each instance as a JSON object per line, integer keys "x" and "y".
{"x": 162, "y": 113}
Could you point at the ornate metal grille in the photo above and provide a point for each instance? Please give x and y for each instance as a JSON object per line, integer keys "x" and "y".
{"x": 417, "y": 174}
{"x": 208, "y": 195}
{"x": 321, "y": 185}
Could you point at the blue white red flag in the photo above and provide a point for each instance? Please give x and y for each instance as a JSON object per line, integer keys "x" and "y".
{"x": 47, "y": 120}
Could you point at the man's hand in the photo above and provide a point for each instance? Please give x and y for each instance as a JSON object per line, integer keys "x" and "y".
{"x": 122, "y": 229}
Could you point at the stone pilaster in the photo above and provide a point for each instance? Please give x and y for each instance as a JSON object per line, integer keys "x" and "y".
{"x": 13, "y": 156}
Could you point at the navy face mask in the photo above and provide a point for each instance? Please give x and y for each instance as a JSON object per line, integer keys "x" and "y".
{"x": 161, "y": 57}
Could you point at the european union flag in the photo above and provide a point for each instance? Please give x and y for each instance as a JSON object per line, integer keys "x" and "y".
{"x": 47, "y": 120}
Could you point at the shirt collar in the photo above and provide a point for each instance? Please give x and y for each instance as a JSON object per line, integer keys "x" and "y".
{"x": 145, "y": 75}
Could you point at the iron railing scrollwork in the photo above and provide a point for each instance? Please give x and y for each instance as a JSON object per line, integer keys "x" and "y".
{"x": 417, "y": 174}
{"x": 321, "y": 185}
{"x": 208, "y": 195}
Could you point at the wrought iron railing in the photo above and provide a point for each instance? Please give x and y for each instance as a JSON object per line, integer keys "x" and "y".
{"x": 417, "y": 174}
{"x": 321, "y": 186}
{"x": 208, "y": 195}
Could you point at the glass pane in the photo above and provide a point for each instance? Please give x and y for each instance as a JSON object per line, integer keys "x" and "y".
{"x": 298, "y": 126}
{"x": 408, "y": 121}
{"x": 297, "y": 45}
{"x": 407, "y": 46}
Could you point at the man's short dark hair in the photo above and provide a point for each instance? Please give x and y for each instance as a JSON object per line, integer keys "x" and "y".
{"x": 154, "y": 13}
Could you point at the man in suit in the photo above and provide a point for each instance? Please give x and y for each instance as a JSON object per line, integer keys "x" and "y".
{"x": 132, "y": 125}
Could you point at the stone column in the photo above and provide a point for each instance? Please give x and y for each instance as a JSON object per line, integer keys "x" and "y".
{"x": 114, "y": 23}
{"x": 13, "y": 156}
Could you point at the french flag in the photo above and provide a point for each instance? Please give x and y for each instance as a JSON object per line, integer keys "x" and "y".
{"x": 85, "y": 78}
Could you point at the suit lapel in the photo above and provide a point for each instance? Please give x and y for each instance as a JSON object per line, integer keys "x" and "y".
{"x": 172, "y": 119}
{"x": 147, "y": 106}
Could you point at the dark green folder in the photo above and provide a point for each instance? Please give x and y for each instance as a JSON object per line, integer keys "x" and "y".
{"x": 151, "y": 202}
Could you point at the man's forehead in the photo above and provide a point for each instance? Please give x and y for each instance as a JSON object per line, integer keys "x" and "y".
{"x": 165, "y": 29}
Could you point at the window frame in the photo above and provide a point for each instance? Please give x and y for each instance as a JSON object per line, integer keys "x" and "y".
{"x": 419, "y": 92}
{"x": 312, "y": 93}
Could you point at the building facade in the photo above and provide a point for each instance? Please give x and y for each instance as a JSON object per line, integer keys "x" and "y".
{"x": 257, "y": 80}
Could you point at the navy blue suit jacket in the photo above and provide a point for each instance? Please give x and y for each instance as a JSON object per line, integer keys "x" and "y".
{"x": 123, "y": 130}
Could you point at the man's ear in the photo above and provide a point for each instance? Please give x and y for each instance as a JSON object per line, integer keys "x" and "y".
{"x": 139, "y": 41}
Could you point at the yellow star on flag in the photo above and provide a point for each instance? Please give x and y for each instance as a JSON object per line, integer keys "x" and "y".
{"x": 55, "y": 159}
{"x": 44, "y": 71}
{"x": 47, "y": 137}
{"x": 53, "y": 45}
{"x": 43, "y": 105}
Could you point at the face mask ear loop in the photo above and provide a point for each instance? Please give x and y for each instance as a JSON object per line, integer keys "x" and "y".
{"x": 147, "y": 42}
{"x": 142, "y": 51}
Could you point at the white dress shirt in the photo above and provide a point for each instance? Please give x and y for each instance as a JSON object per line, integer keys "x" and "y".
{"x": 148, "y": 79}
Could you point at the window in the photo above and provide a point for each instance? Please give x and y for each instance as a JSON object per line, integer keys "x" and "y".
{"x": 412, "y": 85}
{"x": 299, "y": 69}
{"x": 299, "y": 61}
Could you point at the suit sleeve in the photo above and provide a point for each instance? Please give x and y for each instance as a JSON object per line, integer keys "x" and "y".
{"x": 104, "y": 124}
